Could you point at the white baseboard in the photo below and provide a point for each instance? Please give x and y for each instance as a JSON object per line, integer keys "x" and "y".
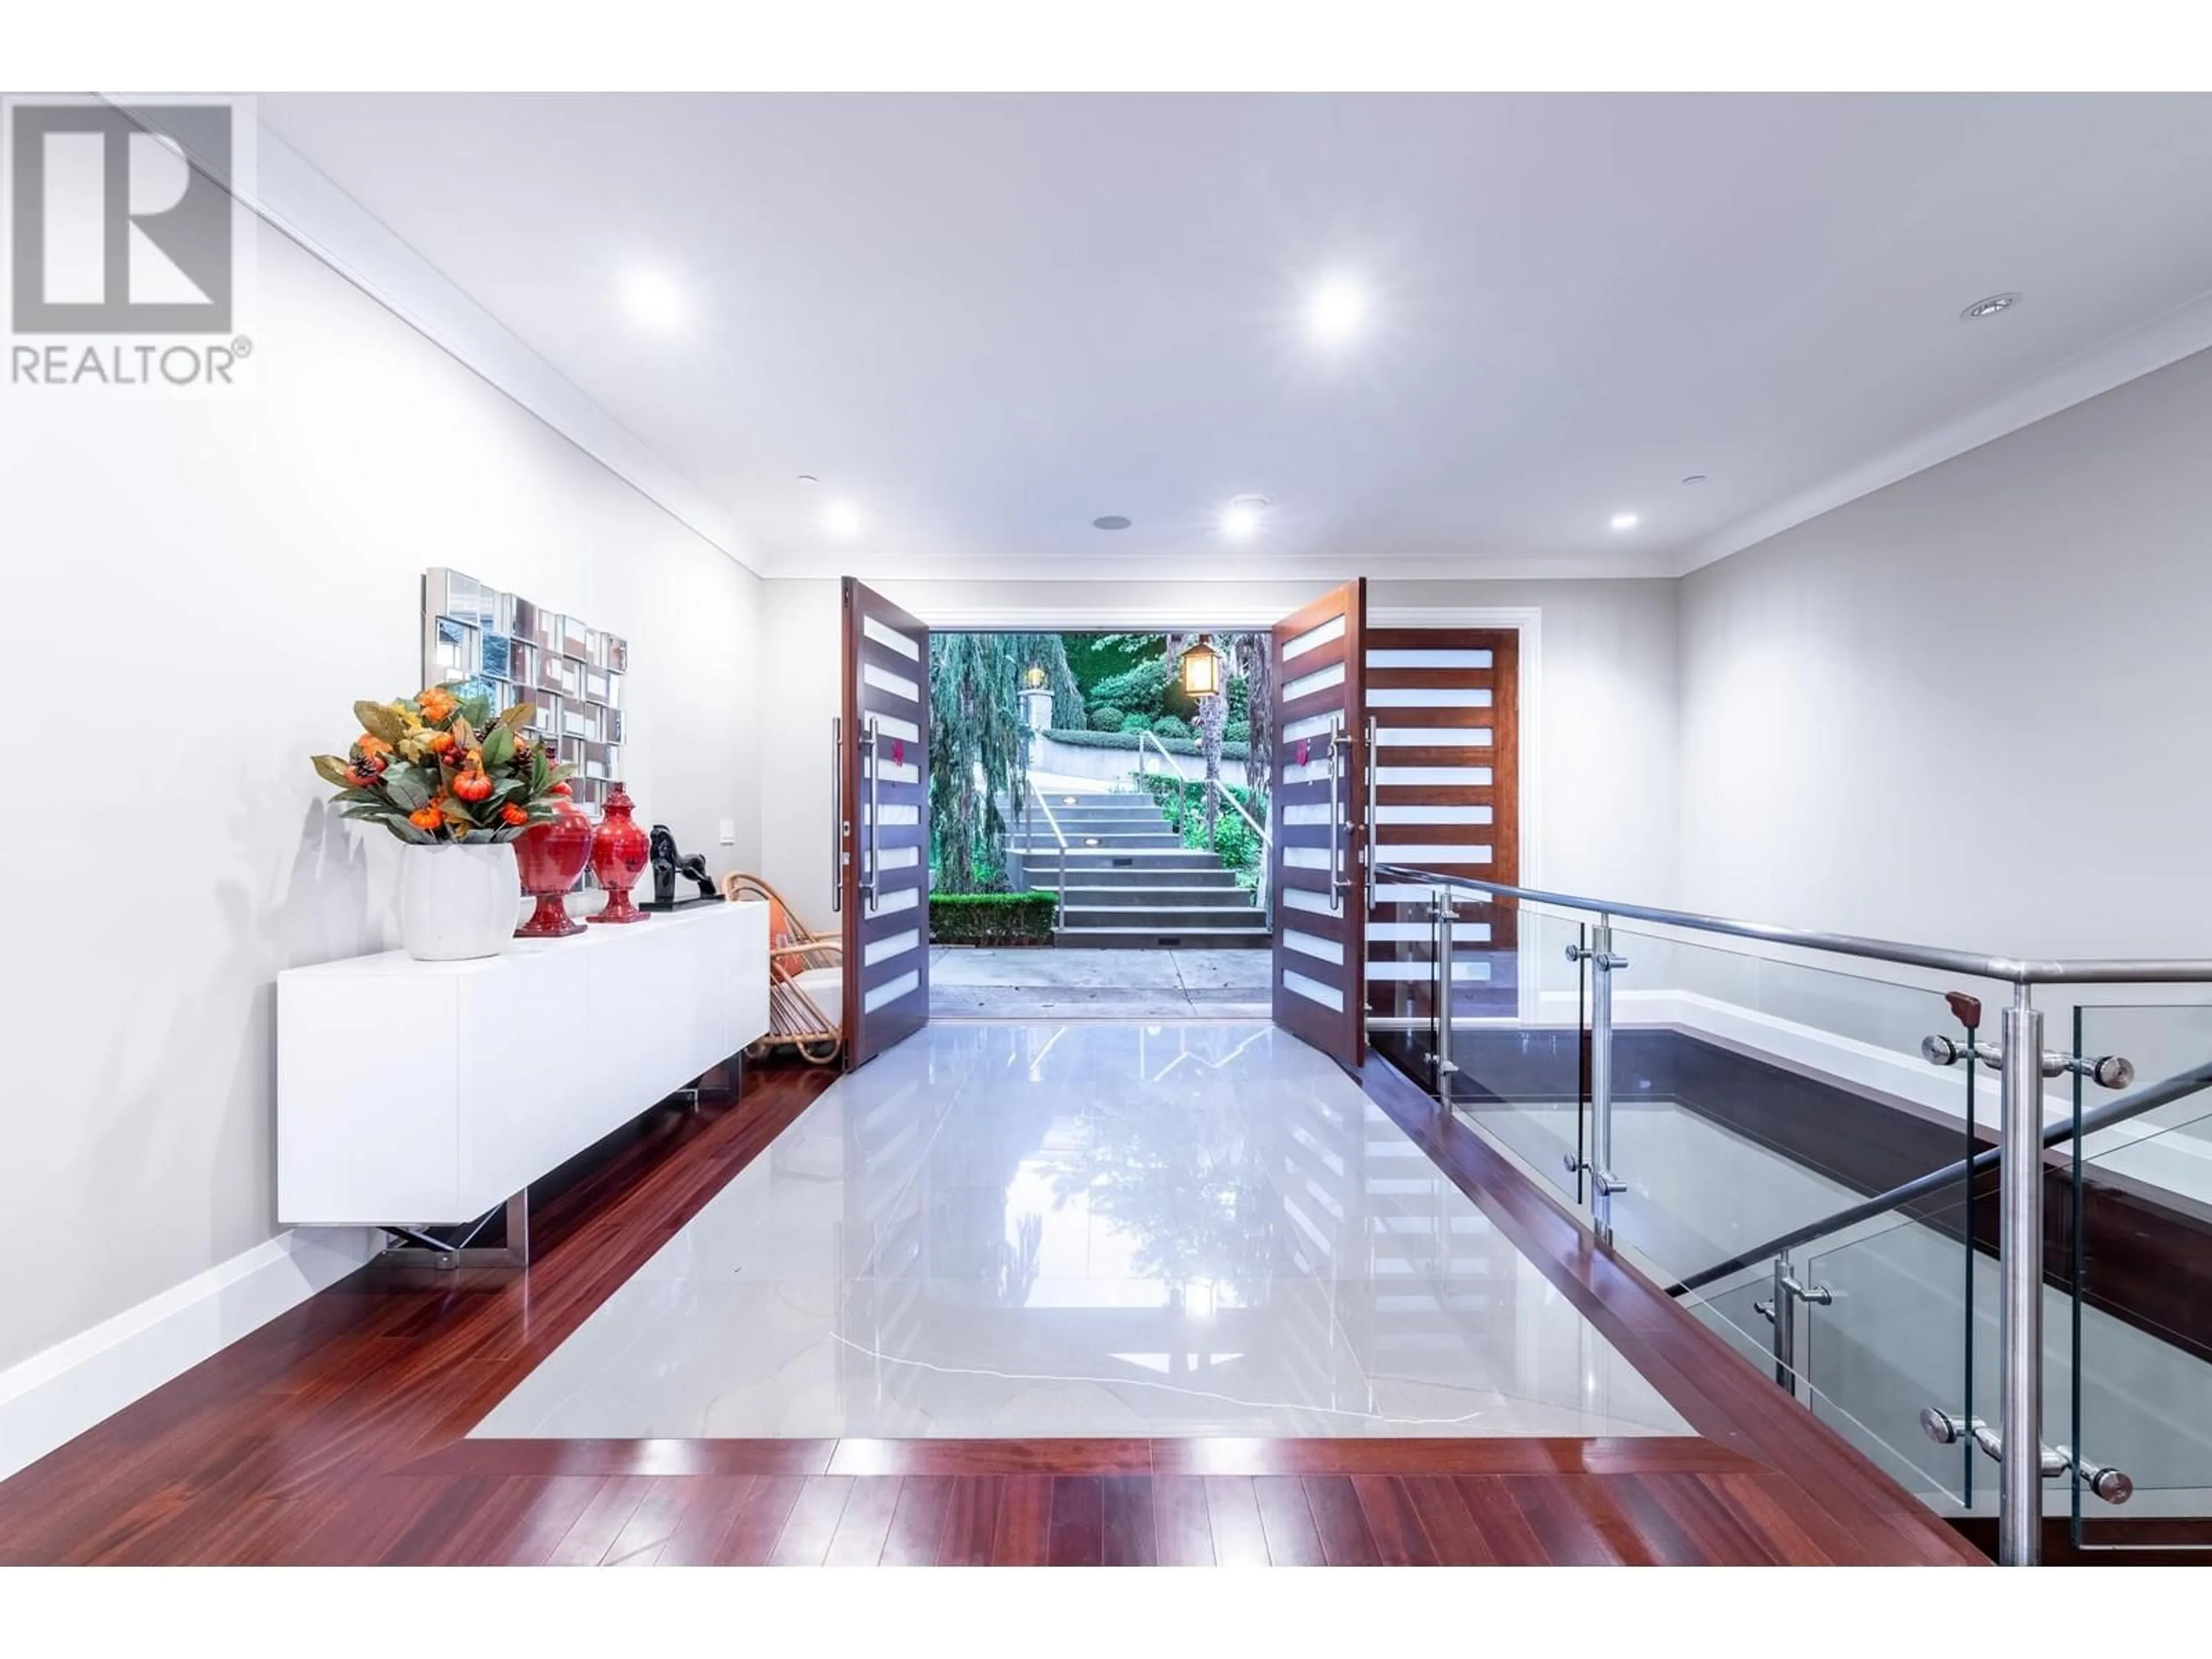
{"x": 53, "y": 1397}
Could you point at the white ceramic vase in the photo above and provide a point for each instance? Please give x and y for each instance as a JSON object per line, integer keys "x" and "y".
{"x": 457, "y": 900}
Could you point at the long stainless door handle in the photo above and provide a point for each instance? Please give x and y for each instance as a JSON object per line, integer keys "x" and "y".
{"x": 870, "y": 869}
{"x": 1367, "y": 848}
{"x": 838, "y": 827}
{"x": 1338, "y": 881}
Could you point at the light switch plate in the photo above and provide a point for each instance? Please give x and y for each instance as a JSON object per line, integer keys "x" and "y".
{"x": 729, "y": 832}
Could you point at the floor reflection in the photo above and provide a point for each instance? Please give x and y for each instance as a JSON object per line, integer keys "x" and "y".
{"x": 1087, "y": 1230}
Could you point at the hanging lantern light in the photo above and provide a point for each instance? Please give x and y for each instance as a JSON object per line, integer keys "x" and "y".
{"x": 1201, "y": 669}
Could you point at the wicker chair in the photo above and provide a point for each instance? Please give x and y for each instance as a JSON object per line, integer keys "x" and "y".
{"x": 806, "y": 977}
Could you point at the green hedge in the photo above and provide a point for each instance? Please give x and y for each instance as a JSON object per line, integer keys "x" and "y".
{"x": 990, "y": 917}
{"x": 1107, "y": 718}
{"x": 1075, "y": 739}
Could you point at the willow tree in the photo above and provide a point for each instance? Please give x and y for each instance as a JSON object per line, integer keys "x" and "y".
{"x": 1253, "y": 656}
{"x": 977, "y": 747}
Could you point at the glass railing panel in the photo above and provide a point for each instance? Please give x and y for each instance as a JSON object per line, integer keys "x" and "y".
{"x": 1753, "y": 1096}
{"x": 1899, "y": 1319}
{"x": 2132, "y": 1387}
{"x": 1515, "y": 1059}
{"x": 1521, "y": 1069}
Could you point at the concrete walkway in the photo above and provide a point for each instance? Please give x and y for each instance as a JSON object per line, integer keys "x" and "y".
{"x": 1054, "y": 984}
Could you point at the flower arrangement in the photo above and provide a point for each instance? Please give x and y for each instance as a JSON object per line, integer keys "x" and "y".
{"x": 438, "y": 767}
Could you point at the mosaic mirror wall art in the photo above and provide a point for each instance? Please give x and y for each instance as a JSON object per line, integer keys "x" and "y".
{"x": 517, "y": 651}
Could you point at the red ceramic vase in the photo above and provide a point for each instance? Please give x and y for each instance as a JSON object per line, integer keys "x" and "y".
{"x": 551, "y": 857}
{"x": 619, "y": 852}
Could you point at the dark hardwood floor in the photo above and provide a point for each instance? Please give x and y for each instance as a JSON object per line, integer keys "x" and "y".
{"x": 335, "y": 1435}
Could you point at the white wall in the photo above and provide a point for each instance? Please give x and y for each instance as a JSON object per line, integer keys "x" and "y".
{"x": 1969, "y": 708}
{"x": 198, "y": 590}
{"x": 1606, "y": 705}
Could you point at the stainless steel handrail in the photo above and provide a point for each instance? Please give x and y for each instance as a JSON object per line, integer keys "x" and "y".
{"x": 2179, "y": 1086}
{"x": 1238, "y": 806}
{"x": 2014, "y": 970}
{"x": 2018, "y": 1155}
{"x": 1221, "y": 793}
{"x": 1060, "y": 892}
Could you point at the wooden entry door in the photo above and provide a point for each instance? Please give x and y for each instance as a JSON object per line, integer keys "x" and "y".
{"x": 883, "y": 823}
{"x": 1317, "y": 802}
{"x": 1443, "y": 711}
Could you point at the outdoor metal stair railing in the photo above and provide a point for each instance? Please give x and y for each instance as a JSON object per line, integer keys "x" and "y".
{"x": 2022, "y": 1063}
{"x": 1221, "y": 793}
{"x": 1060, "y": 835}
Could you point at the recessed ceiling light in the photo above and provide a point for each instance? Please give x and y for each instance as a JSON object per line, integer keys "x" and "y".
{"x": 1624, "y": 521}
{"x": 1240, "y": 520}
{"x": 653, "y": 300}
{"x": 1336, "y": 311}
{"x": 1111, "y": 521}
{"x": 1990, "y": 307}
{"x": 1695, "y": 478}
{"x": 842, "y": 519}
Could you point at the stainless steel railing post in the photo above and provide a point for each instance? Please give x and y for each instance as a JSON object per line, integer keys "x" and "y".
{"x": 1601, "y": 1182}
{"x": 1443, "y": 997}
{"x": 2020, "y": 1266}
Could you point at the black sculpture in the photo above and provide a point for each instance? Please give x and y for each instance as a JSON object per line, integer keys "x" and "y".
{"x": 668, "y": 864}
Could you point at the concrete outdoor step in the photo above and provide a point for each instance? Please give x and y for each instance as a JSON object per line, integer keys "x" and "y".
{"x": 1193, "y": 884}
{"x": 1146, "y": 862}
{"x": 1071, "y": 828}
{"x": 1166, "y": 918}
{"x": 1067, "y": 818}
{"x": 1153, "y": 938}
{"x": 1085, "y": 859}
{"x": 1094, "y": 841}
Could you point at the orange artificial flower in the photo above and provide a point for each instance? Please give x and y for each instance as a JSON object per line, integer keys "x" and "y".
{"x": 426, "y": 819}
{"x": 513, "y": 815}
{"x": 367, "y": 744}
{"x": 436, "y": 705}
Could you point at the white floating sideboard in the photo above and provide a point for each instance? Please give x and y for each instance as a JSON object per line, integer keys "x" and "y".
{"x": 422, "y": 1093}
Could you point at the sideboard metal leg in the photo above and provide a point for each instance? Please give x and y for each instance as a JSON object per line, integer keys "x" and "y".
{"x": 518, "y": 1230}
{"x": 412, "y": 1246}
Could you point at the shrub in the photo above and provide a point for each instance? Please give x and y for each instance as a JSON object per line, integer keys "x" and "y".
{"x": 1235, "y": 843}
{"x": 990, "y": 917}
{"x": 1141, "y": 690}
{"x": 1167, "y": 726}
{"x": 1236, "y": 731}
{"x": 1240, "y": 698}
{"x": 1183, "y": 805}
{"x": 1106, "y": 717}
{"x": 1134, "y": 723}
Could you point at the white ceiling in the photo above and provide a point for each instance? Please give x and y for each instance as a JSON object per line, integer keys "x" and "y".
{"x": 988, "y": 320}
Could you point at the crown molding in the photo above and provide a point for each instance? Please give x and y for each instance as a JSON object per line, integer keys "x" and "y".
{"x": 1207, "y": 566}
{"x": 2179, "y": 333}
